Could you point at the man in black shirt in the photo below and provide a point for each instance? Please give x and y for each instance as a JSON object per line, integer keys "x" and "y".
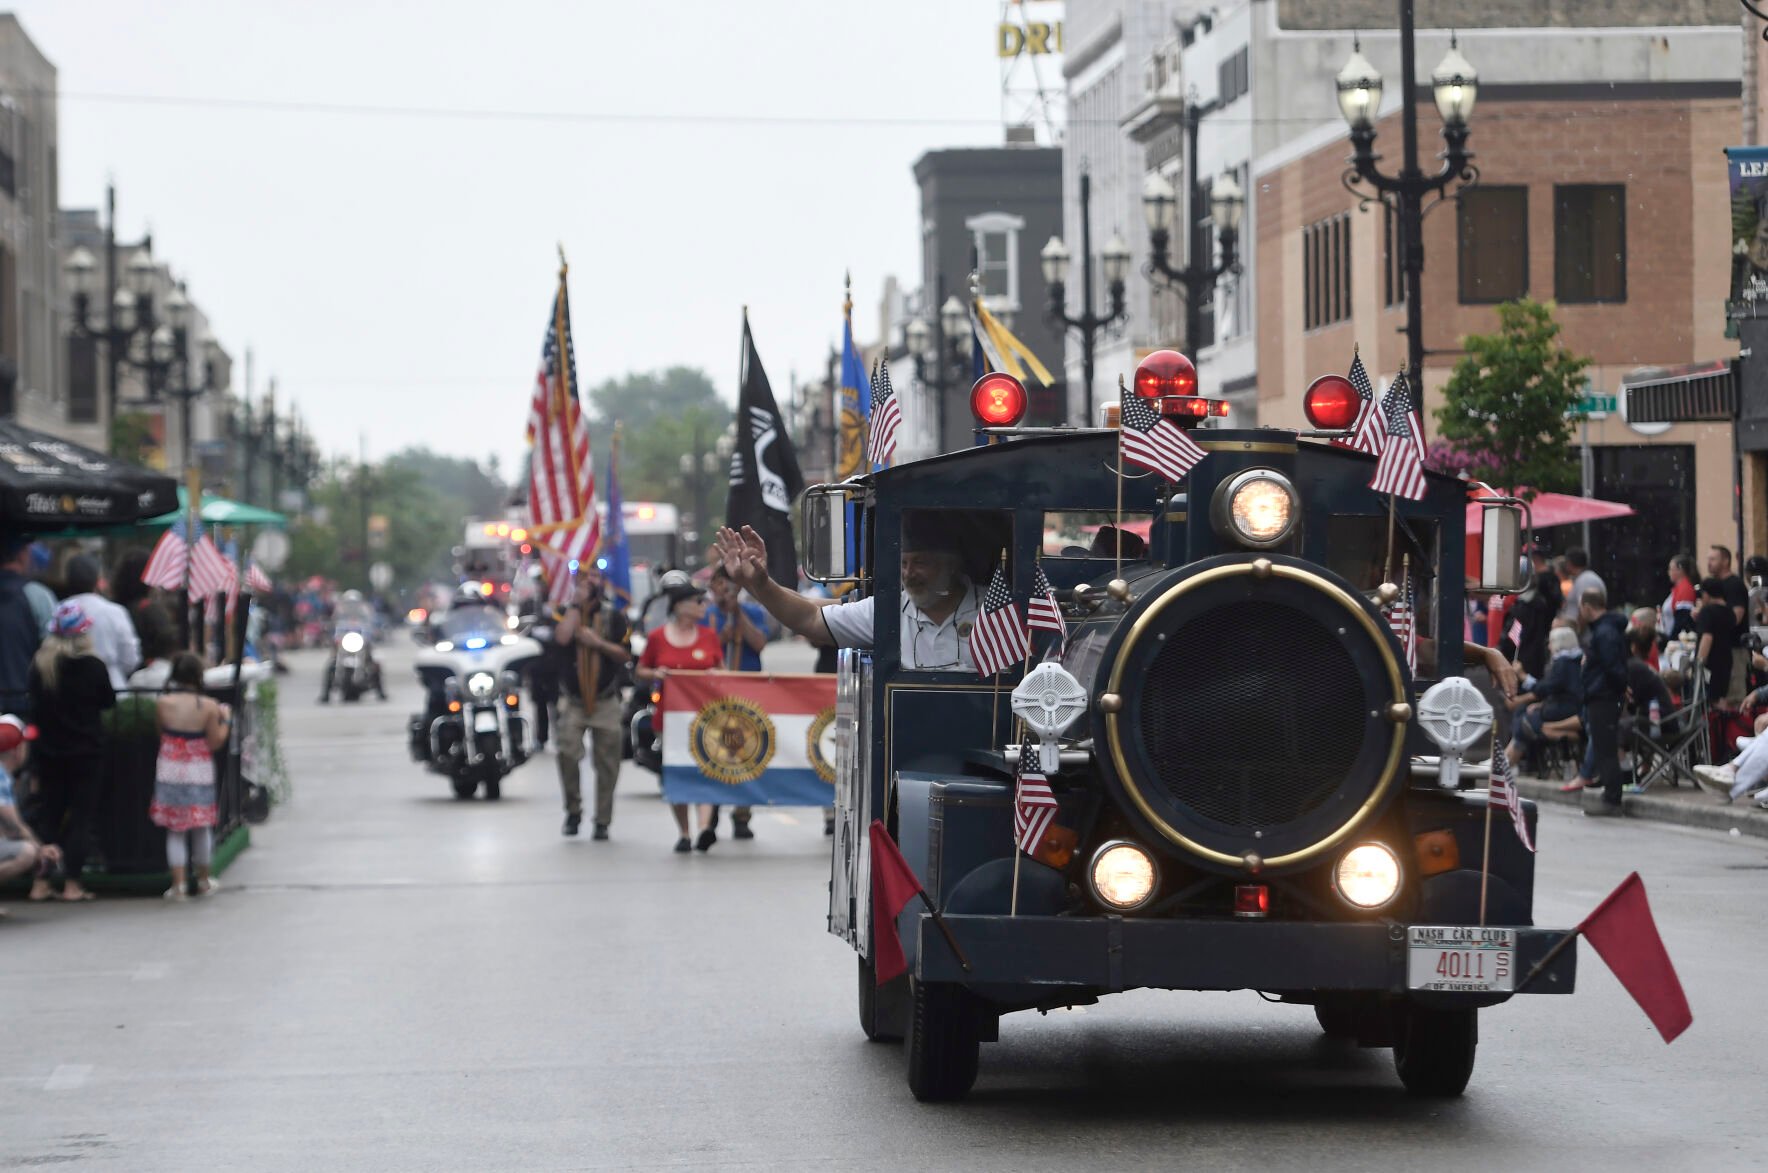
{"x": 1605, "y": 684}
{"x": 589, "y": 644}
{"x": 1716, "y": 627}
{"x": 1736, "y": 594}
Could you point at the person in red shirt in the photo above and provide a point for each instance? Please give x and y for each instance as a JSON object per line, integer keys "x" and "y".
{"x": 1679, "y": 608}
{"x": 683, "y": 645}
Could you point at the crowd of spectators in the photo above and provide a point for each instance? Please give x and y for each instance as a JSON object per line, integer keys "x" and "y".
{"x": 1595, "y": 683}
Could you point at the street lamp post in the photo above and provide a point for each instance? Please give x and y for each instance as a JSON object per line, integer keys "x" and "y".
{"x": 941, "y": 347}
{"x": 1115, "y": 261}
{"x": 1160, "y": 203}
{"x": 699, "y": 467}
{"x": 1454, "y": 85}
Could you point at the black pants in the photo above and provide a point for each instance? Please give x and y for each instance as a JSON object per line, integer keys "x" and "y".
{"x": 68, "y": 789}
{"x": 1602, "y": 716}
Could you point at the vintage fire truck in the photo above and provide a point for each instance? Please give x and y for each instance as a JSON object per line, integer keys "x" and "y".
{"x": 1254, "y": 789}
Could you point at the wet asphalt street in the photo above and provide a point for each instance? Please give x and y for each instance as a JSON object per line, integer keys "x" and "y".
{"x": 394, "y": 980}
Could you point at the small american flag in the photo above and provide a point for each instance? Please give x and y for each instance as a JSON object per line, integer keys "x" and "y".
{"x": 886, "y": 417}
{"x": 1514, "y": 634}
{"x": 1000, "y": 638}
{"x": 1404, "y": 622}
{"x": 1401, "y": 468}
{"x": 1042, "y": 610}
{"x": 1503, "y": 790}
{"x": 1154, "y": 443}
{"x": 257, "y": 581}
{"x": 1034, "y": 803}
{"x": 210, "y": 572}
{"x": 1367, "y": 435}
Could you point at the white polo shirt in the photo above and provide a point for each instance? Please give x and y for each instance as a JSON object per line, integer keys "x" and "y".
{"x": 926, "y": 643}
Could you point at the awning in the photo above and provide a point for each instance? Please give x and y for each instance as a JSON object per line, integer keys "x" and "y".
{"x": 49, "y": 485}
{"x": 1550, "y": 509}
{"x": 219, "y": 511}
{"x": 1706, "y": 393}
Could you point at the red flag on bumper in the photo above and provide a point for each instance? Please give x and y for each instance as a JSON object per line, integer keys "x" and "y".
{"x": 893, "y": 886}
{"x": 1622, "y": 931}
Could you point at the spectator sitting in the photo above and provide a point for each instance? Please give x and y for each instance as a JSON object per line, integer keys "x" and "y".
{"x": 1645, "y": 619}
{"x": 1553, "y": 699}
{"x": 20, "y": 853}
{"x": 1676, "y": 684}
{"x": 1645, "y": 688}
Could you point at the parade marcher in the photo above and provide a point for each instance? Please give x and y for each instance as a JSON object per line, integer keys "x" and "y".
{"x": 113, "y": 632}
{"x": 1605, "y": 687}
{"x": 590, "y": 653}
{"x": 70, "y": 690}
{"x": 683, "y": 643}
{"x": 742, "y": 633}
{"x": 20, "y": 852}
{"x": 193, "y": 728}
{"x": 939, "y": 605}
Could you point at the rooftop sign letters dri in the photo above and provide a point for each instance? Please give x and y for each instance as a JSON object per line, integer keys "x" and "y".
{"x": 1036, "y": 38}
{"x": 1749, "y": 232}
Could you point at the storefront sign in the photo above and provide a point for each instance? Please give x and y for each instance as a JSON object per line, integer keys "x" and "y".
{"x": 1749, "y": 232}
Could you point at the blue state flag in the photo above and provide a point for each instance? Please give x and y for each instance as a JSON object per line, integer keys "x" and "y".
{"x": 615, "y": 560}
{"x": 856, "y": 407}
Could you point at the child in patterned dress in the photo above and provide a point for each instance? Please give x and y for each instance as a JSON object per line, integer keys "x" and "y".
{"x": 192, "y": 728}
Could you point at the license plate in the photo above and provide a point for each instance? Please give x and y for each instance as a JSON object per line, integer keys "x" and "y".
{"x": 484, "y": 722}
{"x": 1461, "y": 958}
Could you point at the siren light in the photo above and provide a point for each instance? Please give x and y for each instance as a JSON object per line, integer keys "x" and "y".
{"x": 1331, "y": 403}
{"x": 1165, "y": 373}
{"x": 998, "y": 400}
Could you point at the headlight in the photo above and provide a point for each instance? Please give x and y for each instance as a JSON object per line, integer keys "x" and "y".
{"x": 445, "y": 646}
{"x": 352, "y": 642}
{"x": 481, "y": 684}
{"x": 1368, "y": 876}
{"x": 512, "y": 623}
{"x": 1255, "y": 508}
{"x": 1123, "y": 875}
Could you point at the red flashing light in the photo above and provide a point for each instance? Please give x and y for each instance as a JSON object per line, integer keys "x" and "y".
{"x": 504, "y": 588}
{"x": 1252, "y": 900}
{"x": 1331, "y": 403}
{"x": 1195, "y": 407}
{"x": 1165, "y": 373}
{"x": 998, "y": 400}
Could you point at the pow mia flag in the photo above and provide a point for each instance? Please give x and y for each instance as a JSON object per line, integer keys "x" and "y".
{"x": 764, "y": 470}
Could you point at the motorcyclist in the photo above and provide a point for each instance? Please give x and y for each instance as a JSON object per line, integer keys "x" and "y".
{"x": 353, "y": 613}
{"x": 465, "y": 607}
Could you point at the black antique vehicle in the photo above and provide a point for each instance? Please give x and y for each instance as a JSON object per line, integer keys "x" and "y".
{"x": 1254, "y": 789}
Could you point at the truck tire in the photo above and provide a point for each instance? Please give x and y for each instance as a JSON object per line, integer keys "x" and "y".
{"x": 493, "y": 787}
{"x": 1434, "y": 1049}
{"x": 464, "y": 787}
{"x": 875, "y": 1017}
{"x": 1337, "y": 1019}
{"x": 945, "y": 1037}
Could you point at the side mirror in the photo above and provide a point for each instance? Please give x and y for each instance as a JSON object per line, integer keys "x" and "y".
{"x": 1501, "y": 570}
{"x": 827, "y": 555}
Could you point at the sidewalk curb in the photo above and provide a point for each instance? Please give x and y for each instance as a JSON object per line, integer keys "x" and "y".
{"x": 1741, "y": 816}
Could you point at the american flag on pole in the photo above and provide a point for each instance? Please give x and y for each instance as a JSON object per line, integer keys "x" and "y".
{"x": 257, "y": 581}
{"x": 1404, "y": 622}
{"x": 561, "y": 479}
{"x": 1400, "y": 470}
{"x": 886, "y": 417}
{"x": 1366, "y": 436}
{"x": 1042, "y": 610}
{"x": 1034, "y": 803}
{"x": 1154, "y": 443}
{"x": 174, "y": 555}
{"x": 1503, "y": 790}
{"x": 1000, "y": 638}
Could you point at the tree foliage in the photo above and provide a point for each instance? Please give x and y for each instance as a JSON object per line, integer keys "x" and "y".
{"x": 663, "y": 416}
{"x": 1506, "y": 409}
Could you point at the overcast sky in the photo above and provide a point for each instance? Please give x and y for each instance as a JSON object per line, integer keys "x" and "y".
{"x": 394, "y": 270}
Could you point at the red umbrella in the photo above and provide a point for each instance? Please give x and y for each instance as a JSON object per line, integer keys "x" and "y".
{"x": 1550, "y": 509}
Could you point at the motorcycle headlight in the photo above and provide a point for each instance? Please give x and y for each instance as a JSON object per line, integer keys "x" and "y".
{"x": 352, "y": 642}
{"x": 1255, "y": 508}
{"x": 1123, "y": 875}
{"x": 1367, "y": 876}
{"x": 481, "y": 684}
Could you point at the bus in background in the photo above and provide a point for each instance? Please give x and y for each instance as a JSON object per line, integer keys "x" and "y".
{"x": 488, "y": 554}
{"x": 653, "y": 532}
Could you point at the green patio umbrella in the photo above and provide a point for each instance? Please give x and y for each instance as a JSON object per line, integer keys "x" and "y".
{"x": 219, "y": 511}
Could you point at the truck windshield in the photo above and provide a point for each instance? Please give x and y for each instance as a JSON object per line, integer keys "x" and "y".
{"x": 1358, "y": 553}
{"x": 1091, "y": 534}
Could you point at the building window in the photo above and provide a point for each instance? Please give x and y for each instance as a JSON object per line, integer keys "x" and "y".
{"x": 1393, "y": 265}
{"x": 995, "y": 237}
{"x": 1493, "y": 226}
{"x": 82, "y": 379}
{"x": 1590, "y": 242}
{"x": 1326, "y": 271}
{"x": 1232, "y": 77}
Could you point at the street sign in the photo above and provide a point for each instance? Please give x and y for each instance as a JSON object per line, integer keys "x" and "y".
{"x": 1595, "y": 405}
{"x": 271, "y": 549}
{"x": 380, "y": 575}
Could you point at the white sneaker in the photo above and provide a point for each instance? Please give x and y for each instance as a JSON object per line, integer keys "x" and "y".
{"x": 177, "y": 895}
{"x": 1717, "y": 779}
{"x": 208, "y": 887}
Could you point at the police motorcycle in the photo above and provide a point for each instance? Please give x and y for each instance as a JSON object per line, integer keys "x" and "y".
{"x": 472, "y": 728}
{"x": 352, "y": 669}
{"x": 1256, "y": 783}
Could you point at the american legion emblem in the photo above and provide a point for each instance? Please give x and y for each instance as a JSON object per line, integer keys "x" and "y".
{"x": 732, "y": 740}
{"x": 819, "y": 744}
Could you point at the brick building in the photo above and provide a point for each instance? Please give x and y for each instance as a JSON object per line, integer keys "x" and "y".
{"x": 1609, "y": 199}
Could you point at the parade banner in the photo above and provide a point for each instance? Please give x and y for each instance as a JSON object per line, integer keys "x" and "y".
{"x": 749, "y": 738}
{"x": 1749, "y": 232}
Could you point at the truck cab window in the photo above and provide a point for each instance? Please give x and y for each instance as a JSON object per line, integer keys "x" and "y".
{"x": 1358, "y": 553}
{"x": 948, "y": 557}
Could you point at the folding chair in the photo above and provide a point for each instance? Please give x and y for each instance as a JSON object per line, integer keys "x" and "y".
{"x": 1684, "y": 742}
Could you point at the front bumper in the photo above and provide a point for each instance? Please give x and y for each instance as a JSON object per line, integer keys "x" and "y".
{"x": 1109, "y": 953}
